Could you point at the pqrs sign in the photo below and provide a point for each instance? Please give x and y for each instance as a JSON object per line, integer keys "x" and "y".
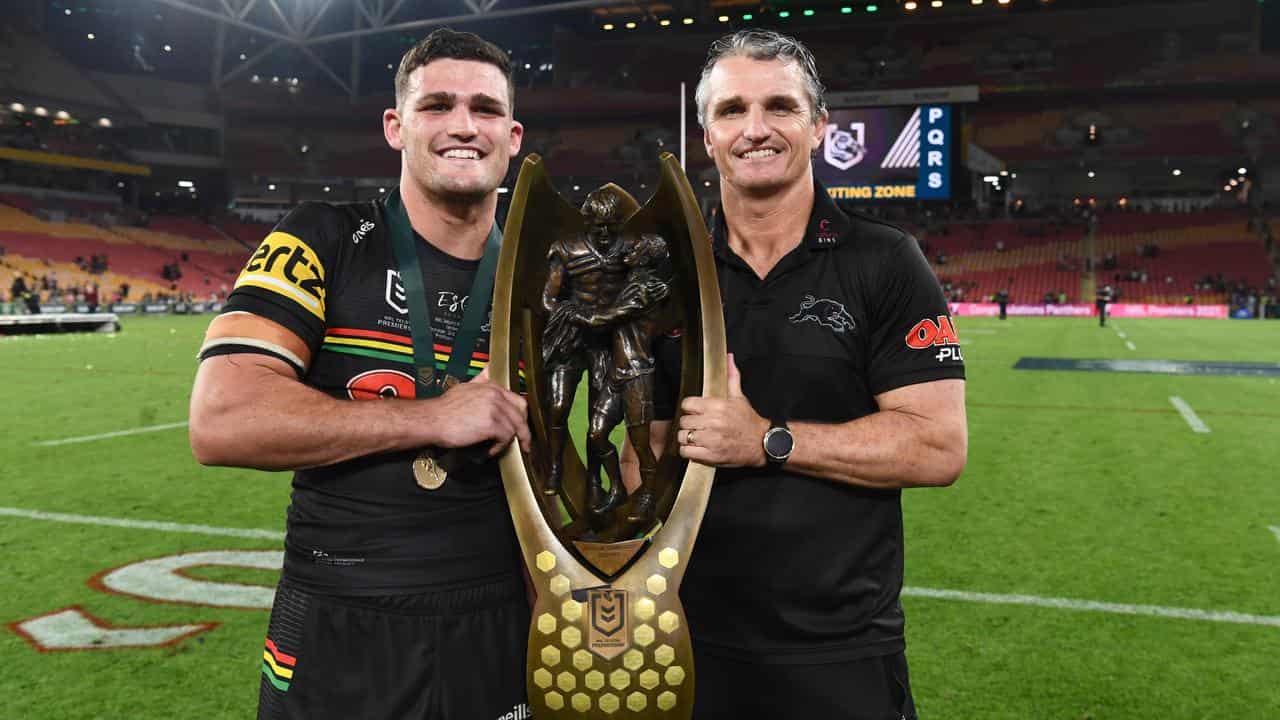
{"x": 935, "y": 151}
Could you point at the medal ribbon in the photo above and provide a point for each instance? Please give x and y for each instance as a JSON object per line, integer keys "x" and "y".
{"x": 424, "y": 354}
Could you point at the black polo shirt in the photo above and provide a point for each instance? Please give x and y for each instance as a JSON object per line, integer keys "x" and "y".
{"x": 789, "y": 568}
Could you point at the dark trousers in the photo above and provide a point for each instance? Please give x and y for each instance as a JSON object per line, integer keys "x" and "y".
{"x": 875, "y": 688}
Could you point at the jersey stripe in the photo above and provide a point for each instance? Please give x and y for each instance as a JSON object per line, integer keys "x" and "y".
{"x": 370, "y": 334}
{"x": 267, "y": 282}
{"x": 378, "y": 354}
{"x": 372, "y": 344}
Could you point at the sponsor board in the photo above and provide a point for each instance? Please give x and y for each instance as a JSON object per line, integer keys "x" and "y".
{"x": 1120, "y": 310}
{"x": 1132, "y": 310}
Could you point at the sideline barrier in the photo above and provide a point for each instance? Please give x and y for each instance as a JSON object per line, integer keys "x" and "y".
{"x": 1118, "y": 310}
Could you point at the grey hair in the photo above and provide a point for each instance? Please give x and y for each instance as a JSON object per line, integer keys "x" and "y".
{"x": 762, "y": 45}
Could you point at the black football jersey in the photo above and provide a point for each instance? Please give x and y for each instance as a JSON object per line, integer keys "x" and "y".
{"x": 327, "y": 272}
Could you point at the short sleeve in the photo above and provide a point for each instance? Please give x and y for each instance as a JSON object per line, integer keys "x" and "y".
{"x": 913, "y": 339}
{"x": 285, "y": 280}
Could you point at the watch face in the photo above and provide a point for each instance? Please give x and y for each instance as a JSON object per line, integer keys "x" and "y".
{"x": 778, "y": 443}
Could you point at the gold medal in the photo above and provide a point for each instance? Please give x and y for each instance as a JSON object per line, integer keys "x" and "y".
{"x": 429, "y": 474}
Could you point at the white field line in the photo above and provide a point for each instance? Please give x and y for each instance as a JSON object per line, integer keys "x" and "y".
{"x": 142, "y": 524}
{"x": 117, "y": 433}
{"x": 1189, "y": 415}
{"x": 1222, "y": 616}
{"x": 1122, "y": 335}
{"x": 1129, "y": 344}
{"x": 1276, "y": 529}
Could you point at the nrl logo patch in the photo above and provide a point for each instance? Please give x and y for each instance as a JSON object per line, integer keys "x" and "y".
{"x": 825, "y": 312}
{"x": 608, "y": 631}
{"x": 395, "y": 295}
{"x": 845, "y": 148}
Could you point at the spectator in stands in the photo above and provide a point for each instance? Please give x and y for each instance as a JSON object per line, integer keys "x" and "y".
{"x": 18, "y": 289}
{"x": 91, "y": 296}
{"x": 32, "y": 300}
{"x": 124, "y": 291}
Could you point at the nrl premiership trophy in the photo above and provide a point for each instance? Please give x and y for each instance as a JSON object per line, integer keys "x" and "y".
{"x": 581, "y": 295}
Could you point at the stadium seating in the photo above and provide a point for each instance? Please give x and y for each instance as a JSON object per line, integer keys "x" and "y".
{"x": 136, "y": 255}
{"x": 1190, "y": 247}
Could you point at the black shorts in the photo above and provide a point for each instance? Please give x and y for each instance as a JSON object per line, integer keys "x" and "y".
{"x": 875, "y": 688}
{"x": 455, "y": 654}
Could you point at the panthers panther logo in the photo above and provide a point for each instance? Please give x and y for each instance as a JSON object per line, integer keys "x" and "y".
{"x": 844, "y": 149}
{"x": 827, "y": 313}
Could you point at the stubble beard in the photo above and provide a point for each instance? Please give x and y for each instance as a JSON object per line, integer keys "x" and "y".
{"x": 448, "y": 189}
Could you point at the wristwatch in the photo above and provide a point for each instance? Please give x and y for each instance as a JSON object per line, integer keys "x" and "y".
{"x": 778, "y": 443}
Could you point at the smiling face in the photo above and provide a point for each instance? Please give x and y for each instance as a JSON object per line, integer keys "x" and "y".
{"x": 760, "y": 128}
{"x": 454, "y": 128}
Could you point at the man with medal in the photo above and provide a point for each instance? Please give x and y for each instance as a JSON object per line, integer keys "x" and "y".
{"x": 401, "y": 594}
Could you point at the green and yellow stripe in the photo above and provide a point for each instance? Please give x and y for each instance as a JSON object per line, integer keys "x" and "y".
{"x": 392, "y": 347}
{"x": 277, "y": 667}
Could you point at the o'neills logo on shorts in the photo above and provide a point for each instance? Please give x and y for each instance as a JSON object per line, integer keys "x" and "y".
{"x": 518, "y": 712}
{"x": 608, "y": 630}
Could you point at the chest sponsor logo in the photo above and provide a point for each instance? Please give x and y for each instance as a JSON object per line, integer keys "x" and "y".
{"x": 826, "y": 312}
{"x": 845, "y": 148}
{"x": 288, "y": 267}
{"x": 378, "y": 384}
{"x": 395, "y": 294}
{"x": 937, "y": 333}
{"x": 607, "y": 633}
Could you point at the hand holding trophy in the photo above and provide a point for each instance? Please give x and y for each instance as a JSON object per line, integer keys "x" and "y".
{"x": 586, "y": 293}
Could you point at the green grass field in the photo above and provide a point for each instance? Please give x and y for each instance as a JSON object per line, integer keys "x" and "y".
{"x": 1081, "y": 488}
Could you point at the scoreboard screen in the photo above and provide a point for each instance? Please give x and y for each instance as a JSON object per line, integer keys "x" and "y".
{"x": 887, "y": 153}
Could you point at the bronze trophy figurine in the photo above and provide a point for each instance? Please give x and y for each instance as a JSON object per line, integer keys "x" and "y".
{"x": 584, "y": 294}
{"x": 604, "y": 296}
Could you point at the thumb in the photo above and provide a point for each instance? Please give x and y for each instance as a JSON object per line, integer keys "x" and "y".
{"x": 735, "y": 379}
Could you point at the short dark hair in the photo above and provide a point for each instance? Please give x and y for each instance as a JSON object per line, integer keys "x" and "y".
{"x": 446, "y": 43}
